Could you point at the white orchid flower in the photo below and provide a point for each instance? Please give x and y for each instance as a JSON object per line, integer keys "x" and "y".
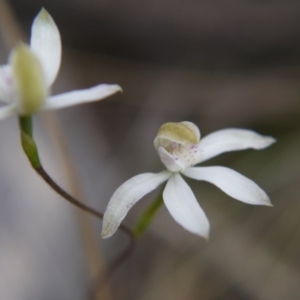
{"x": 26, "y": 80}
{"x": 180, "y": 148}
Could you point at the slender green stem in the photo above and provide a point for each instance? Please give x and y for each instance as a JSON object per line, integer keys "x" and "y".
{"x": 26, "y": 125}
{"x": 40, "y": 170}
{"x": 148, "y": 215}
{"x": 28, "y": 144}
{"x": 31, "y": 151}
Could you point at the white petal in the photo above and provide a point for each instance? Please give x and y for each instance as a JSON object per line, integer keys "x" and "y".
{"x": 169, "y": 161}
{"x": 95, "y": 93}
{"x": 45, "y": 42}
{"x": 7, "y": 111}
{"x": 126, "y": 196}
{"x": 232, "y": 183}
{"x": 3, "y": 87}
{"x": 184, "y": 207}
{"x": 7, "y": 84}
{"x": 232, "y": 140}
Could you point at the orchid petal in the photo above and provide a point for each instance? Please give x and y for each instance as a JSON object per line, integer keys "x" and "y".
{"x": 45, "y": 42}
{"x": 126, "y": 196}
{"x": 7, "y": 111}
{"x": 232, "y": 183}
{"x": 169, "y": 161}
{"x": 231, "y": 140}
{"x": 95, "y": 93}
{"x": 6, "y": 83}
{"x": 184, "y": 207}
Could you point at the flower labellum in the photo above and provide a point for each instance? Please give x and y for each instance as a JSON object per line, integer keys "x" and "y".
{"x": 26, "y": 81}
{"x": 180, "y": 149}
{"x": 29, "y": 79}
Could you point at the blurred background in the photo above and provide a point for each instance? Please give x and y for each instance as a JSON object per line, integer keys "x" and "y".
{"x": 216, "y": 63}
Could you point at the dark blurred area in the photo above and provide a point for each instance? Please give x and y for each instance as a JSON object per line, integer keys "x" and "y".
{"x": 206, "y": 34}
{"x": 216, "y": 63}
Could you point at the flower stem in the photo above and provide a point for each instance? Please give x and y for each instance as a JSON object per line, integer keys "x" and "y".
{"x": 26, "y": 125}
{"x": 148, "y": 215}
{"x": 31, "y": 151}
{"x": 40, "y": 170}
{"x": 28, "y": 144}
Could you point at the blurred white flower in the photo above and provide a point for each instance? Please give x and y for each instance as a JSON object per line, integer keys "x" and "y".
{"x": 26, "y": 80}
{"x": 180, "y": 148}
